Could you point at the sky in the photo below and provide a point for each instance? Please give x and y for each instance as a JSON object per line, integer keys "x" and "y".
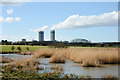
{"x": 94, "y": 21}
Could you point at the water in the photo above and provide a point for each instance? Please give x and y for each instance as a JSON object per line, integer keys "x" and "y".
{"x": 72, "y": 68}
{"x": 16, "y": 56}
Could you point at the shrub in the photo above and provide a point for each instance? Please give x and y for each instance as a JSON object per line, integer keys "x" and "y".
{"x": 58, "y": 45}
{"x": 12, "y": 48}
{"x": 19, "y": 48}
{"x": 27, "y": 48}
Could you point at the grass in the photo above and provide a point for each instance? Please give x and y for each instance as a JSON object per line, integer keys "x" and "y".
{"x": 7, "y": 48}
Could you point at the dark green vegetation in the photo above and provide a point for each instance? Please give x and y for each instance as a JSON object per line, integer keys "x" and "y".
{"x": 31, "y": 46}
{"x": 50, "y": 43}
{"x": 58, "y": 45}
{"x": 12, "y": 73}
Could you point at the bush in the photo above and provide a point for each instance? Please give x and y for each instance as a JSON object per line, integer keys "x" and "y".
{"x": 12, "y": 48}
{"x": 19, "y": 48}
{"x": 58, "y": 45}
{"x": 27, "y": 48}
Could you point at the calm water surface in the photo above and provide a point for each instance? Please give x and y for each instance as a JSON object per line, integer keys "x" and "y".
{"x": 72, "y": 68}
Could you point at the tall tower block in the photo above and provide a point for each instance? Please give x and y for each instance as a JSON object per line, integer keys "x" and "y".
{"x": 41, "y": 36}
{"x": 52, "y": 35}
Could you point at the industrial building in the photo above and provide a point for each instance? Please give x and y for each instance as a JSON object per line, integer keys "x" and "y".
{"x": 24, "y": 40}
{"x": 78, "y": 40}
{"x": 41, "y": 36}
{"x": 52, "y": 35}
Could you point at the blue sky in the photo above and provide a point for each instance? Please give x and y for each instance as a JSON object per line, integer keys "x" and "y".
{"x": 35, "y": 15}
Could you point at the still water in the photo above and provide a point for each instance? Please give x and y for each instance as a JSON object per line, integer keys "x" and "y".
{"x": 70, "y": 67}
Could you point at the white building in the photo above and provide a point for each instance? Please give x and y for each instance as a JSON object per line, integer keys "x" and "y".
{"x": 79, "y": 40}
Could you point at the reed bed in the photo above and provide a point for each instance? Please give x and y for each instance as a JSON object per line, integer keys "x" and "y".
{"x": 26, "y": 64}
{"x": 57, "y": 58}
{"x": 26, "y": 53}
{"x": 46, "y": 52}
{"x": 108, "y": 76}
{"x": 93, "y": 55}
{"x": 3, "y": 59}
{"x": 85, "y": 56}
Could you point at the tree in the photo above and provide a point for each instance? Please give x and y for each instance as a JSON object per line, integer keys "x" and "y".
{"x": 27, "y": 48}
{"x": 19, "y": 48}
{"x": 60, "y": 45}
{"x": 12, "y": 48}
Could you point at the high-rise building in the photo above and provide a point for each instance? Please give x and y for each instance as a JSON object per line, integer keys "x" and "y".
{"x": 41, "y": 36}
{"x": 52, "y": 35}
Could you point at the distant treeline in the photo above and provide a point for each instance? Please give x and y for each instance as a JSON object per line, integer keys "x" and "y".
{"x": 63, "y": 44}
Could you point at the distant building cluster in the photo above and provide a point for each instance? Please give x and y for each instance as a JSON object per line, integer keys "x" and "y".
{"x": 75, "y": 42}
{"x": 52, "y": 39}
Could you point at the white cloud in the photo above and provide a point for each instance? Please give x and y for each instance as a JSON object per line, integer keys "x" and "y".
{"x": 39, "y": 29}
{"x": 9, "y": 19}
{"x": 9, "y": 11}
{"x": 17, "y": 19}
{"x": 1, "y": 19}
{"x": 76, "y": 21}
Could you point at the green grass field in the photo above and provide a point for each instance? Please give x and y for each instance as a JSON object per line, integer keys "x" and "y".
{"x": 6, "y": 48}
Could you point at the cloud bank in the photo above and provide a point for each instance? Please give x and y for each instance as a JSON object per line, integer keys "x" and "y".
{"x": 76, "y": 21}
{"x": 39, "y": 29}
{"x": 9, "y": 19}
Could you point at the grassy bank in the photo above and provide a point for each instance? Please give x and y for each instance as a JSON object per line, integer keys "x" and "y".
{"x": 7, "y": 48}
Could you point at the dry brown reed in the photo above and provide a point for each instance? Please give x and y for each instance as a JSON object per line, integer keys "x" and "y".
{"x": 90, "y": 63}
{"x": 85, "y": 55}
{"x": 26, "y": 64}
{"x": 26, "y": 53}
{"x": 94, "y": 55}
{"x": 47, "y": 52}
{"x": 57, "y": 67}
{"x": 5, "y": 60}
{"x": 58, "y": 57}
{"x": 109, "y": 77}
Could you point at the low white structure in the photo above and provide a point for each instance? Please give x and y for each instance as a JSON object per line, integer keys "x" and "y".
{"x": 79, "y": 40}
